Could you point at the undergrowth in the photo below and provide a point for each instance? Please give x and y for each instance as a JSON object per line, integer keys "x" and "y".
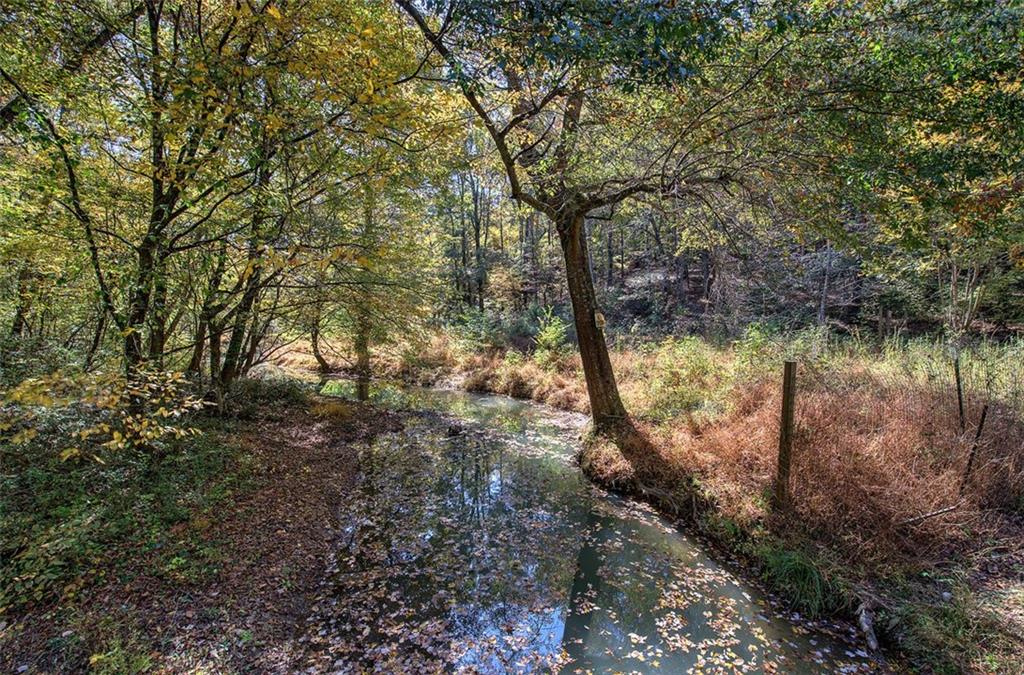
{"x": 64, "y": 524}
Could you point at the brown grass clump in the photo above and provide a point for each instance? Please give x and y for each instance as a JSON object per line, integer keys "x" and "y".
{"x": 562, "y": 391}
{"x": 874, "y": 460}
{"x": 558, "y": 385}
{"x": 870, "y": 459}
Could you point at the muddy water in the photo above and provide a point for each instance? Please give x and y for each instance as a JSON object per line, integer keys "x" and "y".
{"x": 476, "y": 545}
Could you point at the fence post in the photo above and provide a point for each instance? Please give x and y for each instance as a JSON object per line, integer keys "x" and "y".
{"x": 786, "y": 434}
{"x": 959, "y": 393}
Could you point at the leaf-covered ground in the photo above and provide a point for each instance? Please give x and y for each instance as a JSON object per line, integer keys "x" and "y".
{"x": 235, "y": 588}
{"x": 366, "y": 540}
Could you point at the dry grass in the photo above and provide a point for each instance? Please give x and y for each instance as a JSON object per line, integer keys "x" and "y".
{"x": 877, "y": 446}
{"x": 869, "y": 460}
{"x": 560, "y": 385}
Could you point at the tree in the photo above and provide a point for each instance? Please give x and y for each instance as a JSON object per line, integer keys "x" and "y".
{"x": 590, "y": 105}
{"x": 930, "y": 149}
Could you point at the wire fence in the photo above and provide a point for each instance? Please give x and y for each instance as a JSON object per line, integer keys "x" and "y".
{"x": 918, "y": 447}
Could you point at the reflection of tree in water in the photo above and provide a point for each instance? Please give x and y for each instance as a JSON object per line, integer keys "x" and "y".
{"x": 609, "y": 600}
{"x": 452, "y": 546}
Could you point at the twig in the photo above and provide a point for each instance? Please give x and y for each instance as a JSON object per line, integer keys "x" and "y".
{"x": 938, "y": 512}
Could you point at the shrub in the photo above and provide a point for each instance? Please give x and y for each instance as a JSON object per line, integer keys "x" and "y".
{"x": 478, "y": 331}
{"x": 115, "y": 413}
{"x": 248, "y": 395}
{"x": 797, "y": 576}
{"x": 688, "y": 377}
{"x": 60, "y": 521}
{"x": 551, "y": 340}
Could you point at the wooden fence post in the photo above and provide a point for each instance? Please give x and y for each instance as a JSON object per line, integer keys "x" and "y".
{"x": 959, "y": 393}
{"x": 786, "y": 434}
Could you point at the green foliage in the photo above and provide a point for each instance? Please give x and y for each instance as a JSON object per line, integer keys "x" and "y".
{"x": 689, "y": 377}
{"x": 800, "y": 579}
{"x": 60, "y": 522}
{"x": 636, "y": 42}
{"x": 120, "y": 658}
{"x": 477, "y": 331}
{"x": 952, "y": 631}
{"x": 251, "y": 394}
{"x": 136, "y": 413}
{"x": 551, "y": 339}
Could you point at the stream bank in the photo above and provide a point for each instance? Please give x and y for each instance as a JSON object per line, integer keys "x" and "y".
{"x": 940, "y": 602}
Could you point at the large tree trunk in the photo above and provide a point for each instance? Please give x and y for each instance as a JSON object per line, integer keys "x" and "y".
{"x": 233, "y": 354}
{"x": 138, "y": 306}
{"x": 605, "y": 404}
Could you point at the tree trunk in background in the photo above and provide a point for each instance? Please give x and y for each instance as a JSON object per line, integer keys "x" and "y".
{"x": 684, "y": 281}
{"x": 478, "y": 272}
{"x": 362, "y": 346}
{"x": 611, "y": 259}
{"x": 622, "y": 257}
{"x": 207, "y": 315}
{"x": 823, "y": 300}
{"x": 97, "y": 338}
{"x": 233, "y": 355}
{"x": 606, "y": 407}
{"x": 257, "y": 332}
{"x": 195, "y": 364}
{"x": 158, "y": 322}
{"x": 362, "y": 349}
{"x": 707, "y": 269}
{"x": 314, "y": 341}
{"x": 216, "y": 332}
{"x": 20, "y": 326}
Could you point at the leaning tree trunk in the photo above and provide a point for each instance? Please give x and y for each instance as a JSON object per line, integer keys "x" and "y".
{"x": 20, "y": 326}
{"x": 314, "y": 342}
{"x": 605, "y": 404}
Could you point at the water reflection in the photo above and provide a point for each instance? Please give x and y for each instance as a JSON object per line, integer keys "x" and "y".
{"x": 483, "y": 549}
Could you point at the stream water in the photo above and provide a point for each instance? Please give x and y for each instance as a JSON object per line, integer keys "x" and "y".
{"x": 475, "y": 544}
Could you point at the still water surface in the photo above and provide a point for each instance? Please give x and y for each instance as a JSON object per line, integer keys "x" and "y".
{"x": 476, "y": 545}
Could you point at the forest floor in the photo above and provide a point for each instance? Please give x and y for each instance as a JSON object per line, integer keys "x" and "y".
{"x": 225, "y": 588}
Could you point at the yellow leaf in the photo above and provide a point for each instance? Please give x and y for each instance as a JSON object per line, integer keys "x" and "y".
{"x": 23, "y": 436}
{"x": 274, "y": 12}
